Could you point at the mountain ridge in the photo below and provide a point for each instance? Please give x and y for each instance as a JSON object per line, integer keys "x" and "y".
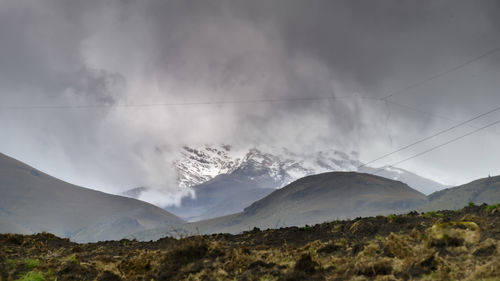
{"x": 485, "y": 190}
{"x": 202, "y": 168}
{"x": 36, "y": 202}
{"x": 312, "y": 199}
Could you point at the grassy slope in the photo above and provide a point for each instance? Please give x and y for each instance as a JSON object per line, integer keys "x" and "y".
{"x": 486, "y": 190}
{"x": 36, "y": 202}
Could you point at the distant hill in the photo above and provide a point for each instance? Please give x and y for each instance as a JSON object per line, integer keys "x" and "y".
{"x": 313, "y": 199}
{"x": 32, "y": 201}
{"x": 486, "y": 190}
{"x": 222, "y": 195}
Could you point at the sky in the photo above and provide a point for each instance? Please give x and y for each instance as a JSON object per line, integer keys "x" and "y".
{"x": 104, "y": 94}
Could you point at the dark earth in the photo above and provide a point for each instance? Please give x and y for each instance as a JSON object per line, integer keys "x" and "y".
{"x": 444, "y": 245}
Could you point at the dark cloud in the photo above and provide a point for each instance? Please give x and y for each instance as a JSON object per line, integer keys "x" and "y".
{"x": 117, "y": 53}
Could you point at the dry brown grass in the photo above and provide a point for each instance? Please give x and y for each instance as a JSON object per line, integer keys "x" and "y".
{"x": 437, "y": 248}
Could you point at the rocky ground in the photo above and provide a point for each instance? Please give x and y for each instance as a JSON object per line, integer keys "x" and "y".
{"x": 446, "y": 245}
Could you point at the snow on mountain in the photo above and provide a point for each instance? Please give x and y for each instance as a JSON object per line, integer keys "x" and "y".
{"x": 199, "y": 165}
{"x": 424, "y": 185}
{"x": 278, "y": 167}
{"x": 283, "y": 166}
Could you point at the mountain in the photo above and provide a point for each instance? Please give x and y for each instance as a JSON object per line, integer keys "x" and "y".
{"x": 197, "y": 166}
{"x": 280, "y": 166}
{"x": 424, "y": 185}
{"x": 275, "y": 169}
{"x": 313, "y": 199}
{"x": 226, "y": 180}
{"x": 222, "y": 195}
{"x": 486, "y": 190}
{"x": 12, "y": 227}
{"x": 32, "y": 201}
{"x": 248, "y": 179}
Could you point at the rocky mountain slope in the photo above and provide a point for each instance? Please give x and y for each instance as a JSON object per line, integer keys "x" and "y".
{"x": 197, "y": 166}
{"x": 32, "y": 201}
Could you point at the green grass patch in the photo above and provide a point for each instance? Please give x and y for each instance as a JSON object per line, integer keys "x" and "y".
{"x": 31, "y": 263}
{"x": 266, "y": 278}
{"x": 433, "y": 214}
{"x": 11, "y": 262}
{"x": 391, "y": 217}
{"x": 493, "y": 207}
{"x": 32, "y": 276}
{"x": 71, "y": 258}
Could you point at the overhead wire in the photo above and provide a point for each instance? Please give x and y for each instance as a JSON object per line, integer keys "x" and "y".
{"x": 443, "y": 73}
{"x": 273, "y": 100}
{"x": 440, "y": 145}
{"x": 386, "y": 100}
{"x": 430, "y": 137}
{"x": 411, "y": 86}
{"x": 414, "y": 85}
{"x": 300, "y": 99}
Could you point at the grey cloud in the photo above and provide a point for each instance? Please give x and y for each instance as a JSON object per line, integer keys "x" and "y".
{"x": 153, "y": 52}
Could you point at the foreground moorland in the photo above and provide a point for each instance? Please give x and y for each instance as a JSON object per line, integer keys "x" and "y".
{"x": 445, "y": 245}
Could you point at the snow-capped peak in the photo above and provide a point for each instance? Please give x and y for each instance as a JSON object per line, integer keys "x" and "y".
{"x": 278, "y": 168}
{"x": 198, "y": 165}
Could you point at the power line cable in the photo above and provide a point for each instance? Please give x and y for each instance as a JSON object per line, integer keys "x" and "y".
{"x": 440, "y": 145}
{"x": 440, "y": 74}
{"x": 23, "y": 107}
{"x": 414, "y": 85}
{"x": 433, "y": 115}
{"x": 430, "y": 137}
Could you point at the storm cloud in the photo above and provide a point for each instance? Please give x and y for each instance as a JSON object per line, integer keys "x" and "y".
{"x": 104, "y": 93}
